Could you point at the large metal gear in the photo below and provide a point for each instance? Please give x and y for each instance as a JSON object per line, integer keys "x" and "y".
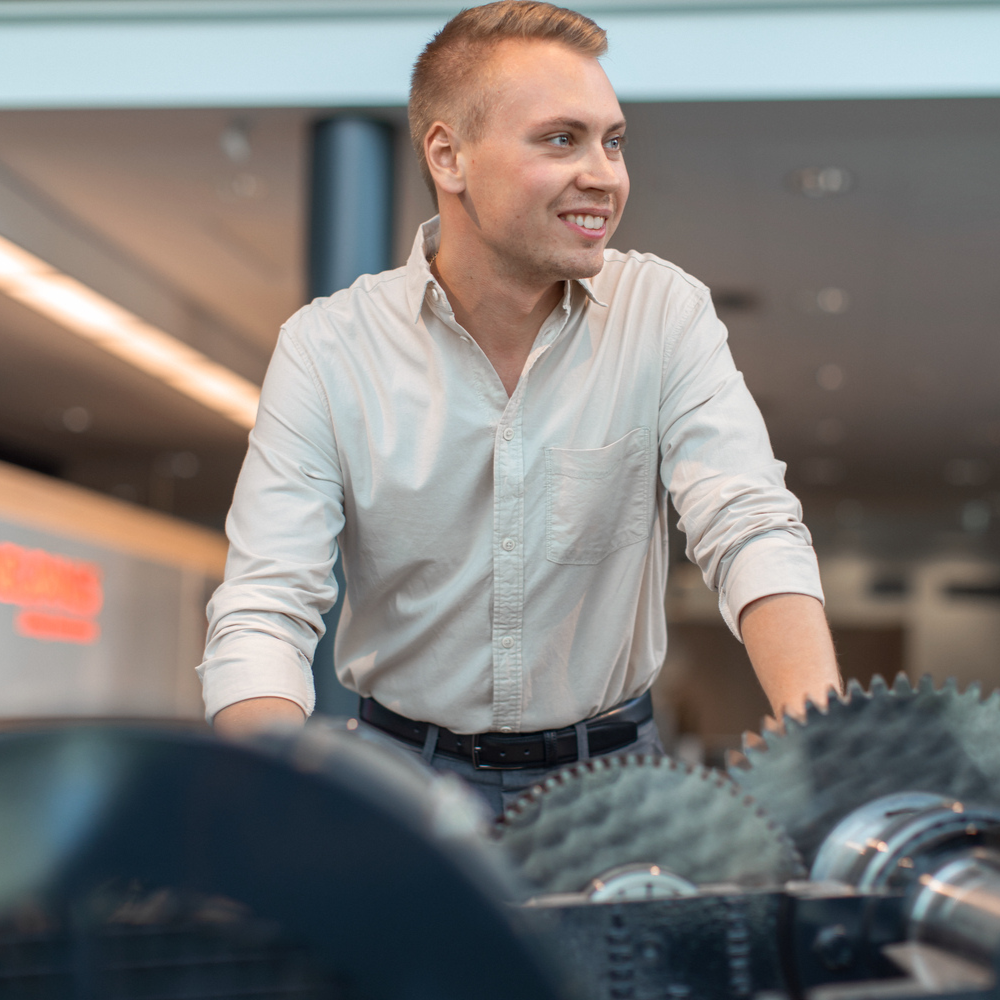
{"x": 613, "y": 811}
{"x": 870, "y": 744}
{"x": 159, "y": 862}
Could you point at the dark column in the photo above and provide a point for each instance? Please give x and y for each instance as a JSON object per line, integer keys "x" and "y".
{"x": 351, "y": 223}
{"x": 350, "y": 234}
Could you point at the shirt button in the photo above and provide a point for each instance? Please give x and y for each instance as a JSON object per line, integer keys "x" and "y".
{"x": 508, "y": 433}
{"x": 506, "y": 642}
{"x": 508, "y": 544}
{"x": 506, "y": 729}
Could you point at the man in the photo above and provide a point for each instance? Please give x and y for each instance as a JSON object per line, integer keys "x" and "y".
{"x": 488, "y": 436}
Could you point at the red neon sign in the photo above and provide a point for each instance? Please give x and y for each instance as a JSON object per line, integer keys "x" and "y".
{"x": 59, "y": 596}
{"x": 56, "y": 628}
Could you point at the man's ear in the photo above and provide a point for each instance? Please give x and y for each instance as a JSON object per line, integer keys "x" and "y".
{"x": 441, "y": 147}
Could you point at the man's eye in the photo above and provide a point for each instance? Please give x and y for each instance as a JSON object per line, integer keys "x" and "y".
{"x": 616, "y": 142}
{"x": 559, "y": 140}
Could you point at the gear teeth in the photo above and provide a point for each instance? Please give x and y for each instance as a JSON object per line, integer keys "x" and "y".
{"x": 813, "y": 710}
{"x": 771, "y": 737}
{"x": 855, "y": 690}
{"x": 943, "y": 741}
{"x": 638, "y": 808}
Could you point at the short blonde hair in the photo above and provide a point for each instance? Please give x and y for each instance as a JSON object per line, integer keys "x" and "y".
{"x": 449, "y": 83}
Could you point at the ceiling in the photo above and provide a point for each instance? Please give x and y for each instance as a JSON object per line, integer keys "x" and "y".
{"x": 887, "y": 294}
{"x": 864, "y": 320}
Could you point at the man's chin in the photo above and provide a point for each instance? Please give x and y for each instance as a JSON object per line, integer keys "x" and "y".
{"x": 562, "y": 266}
{"x": 582, "y": 265}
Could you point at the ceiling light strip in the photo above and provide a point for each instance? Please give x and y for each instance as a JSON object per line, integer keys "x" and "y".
{"x": 90, "y": 315}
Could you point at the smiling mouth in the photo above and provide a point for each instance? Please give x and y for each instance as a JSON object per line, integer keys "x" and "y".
{"x": 592, "y": 225}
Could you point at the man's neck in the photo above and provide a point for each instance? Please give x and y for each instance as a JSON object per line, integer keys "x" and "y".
{"x": 501, "y": 312}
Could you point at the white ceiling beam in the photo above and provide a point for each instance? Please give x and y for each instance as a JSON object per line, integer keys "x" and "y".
{"x": 341, "y": 53}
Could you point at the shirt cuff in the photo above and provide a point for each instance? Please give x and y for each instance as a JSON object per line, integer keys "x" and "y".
{"x": 255, "y": 665}
{"x": 773, "y": 563}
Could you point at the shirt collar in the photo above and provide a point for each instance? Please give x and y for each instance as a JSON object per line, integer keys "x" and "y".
{"x": 418, "y": 271}
{"x": 419, "y": 277}
{"x": 588, "y": 290}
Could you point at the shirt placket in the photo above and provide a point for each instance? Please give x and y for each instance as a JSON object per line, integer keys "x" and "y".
{"x": 508, "y": 566}
{"x": 508, "y": 546}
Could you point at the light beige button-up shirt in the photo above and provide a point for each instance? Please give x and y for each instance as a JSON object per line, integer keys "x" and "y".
{"x": 506, "y": 558}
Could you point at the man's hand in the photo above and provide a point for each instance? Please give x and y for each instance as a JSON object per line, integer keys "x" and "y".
{"x": 791, "y": 650}
{"x": 256, "y": 715}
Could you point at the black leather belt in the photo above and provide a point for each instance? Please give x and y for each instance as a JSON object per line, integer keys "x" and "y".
{"x": 609, "y": 731}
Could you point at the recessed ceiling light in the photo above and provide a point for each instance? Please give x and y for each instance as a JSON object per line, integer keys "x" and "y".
{"x": 76, "y": 419}
{"x": 821, "y": 471}
{"x": 177, "y": 465}
{"x": 235, "y": 142}
{"x": 975, "y": 516}
{"x": 832, "y": 301}
{"x": 830, "y": 377}
{"x": 821, "y": 182}
{"x": 88, "y": 314}
{"x": 830, "y": 430}
{"x": 242, "y": 187}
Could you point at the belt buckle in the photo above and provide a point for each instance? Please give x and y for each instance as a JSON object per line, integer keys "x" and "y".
{"x": 479, "y": 766}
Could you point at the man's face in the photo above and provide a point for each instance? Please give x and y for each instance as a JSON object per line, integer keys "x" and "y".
{"x": 546, "y": 183}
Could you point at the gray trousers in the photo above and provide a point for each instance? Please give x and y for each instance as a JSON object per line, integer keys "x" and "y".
{"x": 500, "y": 789}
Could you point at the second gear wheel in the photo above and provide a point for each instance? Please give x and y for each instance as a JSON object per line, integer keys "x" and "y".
{"x": 638, "y": 809}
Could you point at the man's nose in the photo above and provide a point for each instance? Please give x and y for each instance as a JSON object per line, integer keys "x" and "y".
{"x": 598, "y": 171}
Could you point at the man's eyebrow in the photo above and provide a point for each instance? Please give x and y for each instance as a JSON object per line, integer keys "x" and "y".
{"x": 575, "y": 125}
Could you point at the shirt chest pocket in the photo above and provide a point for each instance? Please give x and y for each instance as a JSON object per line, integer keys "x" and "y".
{"x": 597, "y": 500}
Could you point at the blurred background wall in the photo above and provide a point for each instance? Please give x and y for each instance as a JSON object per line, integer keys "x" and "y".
{"x": 829, "y": 169}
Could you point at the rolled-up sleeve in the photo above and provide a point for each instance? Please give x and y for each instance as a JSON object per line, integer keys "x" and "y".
{"x": 744, "y": 528}
{"x": 266, "y": 618}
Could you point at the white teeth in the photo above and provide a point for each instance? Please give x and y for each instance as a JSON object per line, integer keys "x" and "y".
{"x": 586, "y": 221}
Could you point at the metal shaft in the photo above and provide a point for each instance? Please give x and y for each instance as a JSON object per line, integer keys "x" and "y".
{"x": 957, "y": 907}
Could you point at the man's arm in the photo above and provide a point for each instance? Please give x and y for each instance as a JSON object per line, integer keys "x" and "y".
{"x": 255, "y": 715}
{"x": 287, "y": 513}
{"x": 791, "y": 650}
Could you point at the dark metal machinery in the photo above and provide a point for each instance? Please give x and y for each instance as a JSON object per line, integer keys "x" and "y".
{"x": 856, "y": 857}
{"x": 147, "y": 864}
{"x": 891, "y": 797}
